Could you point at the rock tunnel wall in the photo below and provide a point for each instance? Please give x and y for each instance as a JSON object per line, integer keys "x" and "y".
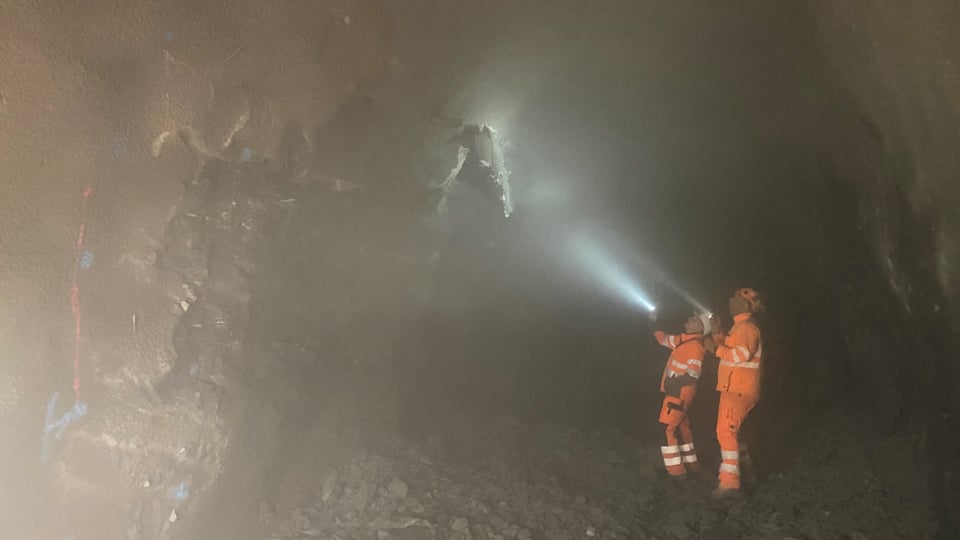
{"x": 188, "y": 124}
{"x": 899, "y": 305}
{"x": 130, "y": 101}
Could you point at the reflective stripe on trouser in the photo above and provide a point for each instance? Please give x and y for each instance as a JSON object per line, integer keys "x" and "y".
{"x": 672, "y": 460}
{"x": 687, "y": 451}
{"x": 679, "y": 454}
{"x": 730, "y": 416}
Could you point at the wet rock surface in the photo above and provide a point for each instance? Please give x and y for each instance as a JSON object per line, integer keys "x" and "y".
{"x": 561, "y": 483}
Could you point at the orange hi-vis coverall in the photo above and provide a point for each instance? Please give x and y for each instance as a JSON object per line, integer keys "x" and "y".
{"x": 679, "y": 454}
{"x": 738, "y": 381}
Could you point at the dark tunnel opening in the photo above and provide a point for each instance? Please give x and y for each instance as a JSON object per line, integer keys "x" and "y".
{"x": 360, "y": 270}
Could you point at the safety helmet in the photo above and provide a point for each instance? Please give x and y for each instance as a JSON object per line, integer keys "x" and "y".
{"x": 752, "y": 297}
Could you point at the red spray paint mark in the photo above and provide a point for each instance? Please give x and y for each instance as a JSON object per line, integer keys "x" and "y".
{"x": 75, "y": 295}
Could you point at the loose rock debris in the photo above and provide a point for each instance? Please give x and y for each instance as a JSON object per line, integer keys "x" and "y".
{"x": 560, "y": 484}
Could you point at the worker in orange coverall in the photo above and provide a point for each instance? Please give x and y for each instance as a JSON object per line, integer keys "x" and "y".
{"x": 740, "y": 353}
{"x": 679, "y": 385}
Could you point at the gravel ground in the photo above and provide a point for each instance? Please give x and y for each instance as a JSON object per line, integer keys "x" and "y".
{"x": 552, "y": 482}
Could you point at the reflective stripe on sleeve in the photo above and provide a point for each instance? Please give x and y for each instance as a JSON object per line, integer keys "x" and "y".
{"x": 730, "y": 454}
{"x": 730, "y": 468}
{"x": 672, "y": 461}
{"x": 747, "y": 365}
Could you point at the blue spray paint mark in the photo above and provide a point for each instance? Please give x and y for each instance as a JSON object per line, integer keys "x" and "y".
{"x": 51, "y": 407}
{"x": 119, "y": 148}
{"x": 181, "y": 491}
{"x": 53, "y": 430}
{"x": 169, "y": 36}
{"x": 86, "y": 259}
{"x": 47, "y": 422}
{"x": 246, "y": 154}
{"x": 194, "y": 369}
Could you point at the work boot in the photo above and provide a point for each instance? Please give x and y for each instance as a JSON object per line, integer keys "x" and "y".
{"x": 726, "y": 493}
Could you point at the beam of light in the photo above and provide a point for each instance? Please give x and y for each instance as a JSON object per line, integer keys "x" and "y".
{"x": 670, "y": 283}
{"x": 609, "y": 273}
{"x": 686, "y": 296}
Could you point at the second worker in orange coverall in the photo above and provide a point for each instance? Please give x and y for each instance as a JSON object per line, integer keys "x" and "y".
{"x": 679, "y": 386}
{"x": 739, "y": 374}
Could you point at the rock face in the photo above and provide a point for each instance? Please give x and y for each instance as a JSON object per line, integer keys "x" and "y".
{"x": 130, "y": 103}
{"x": 175, "y": 449}
{"x": 898, "y": 66}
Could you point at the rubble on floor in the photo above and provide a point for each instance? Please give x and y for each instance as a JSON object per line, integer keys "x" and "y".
{"x": 556, "y": 483}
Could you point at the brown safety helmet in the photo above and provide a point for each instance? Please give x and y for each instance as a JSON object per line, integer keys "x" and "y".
{"x": 753, "y": 299}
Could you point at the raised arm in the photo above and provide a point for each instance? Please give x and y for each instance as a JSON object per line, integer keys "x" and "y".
{"x": 667, "y": 340}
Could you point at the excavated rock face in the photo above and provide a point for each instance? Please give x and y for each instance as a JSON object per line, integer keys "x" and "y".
{"x": 131, "y": 102}
{"x": 150, "y": 460}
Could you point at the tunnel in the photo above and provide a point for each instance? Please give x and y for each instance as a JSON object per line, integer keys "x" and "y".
{"x": 357, "y": 269}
